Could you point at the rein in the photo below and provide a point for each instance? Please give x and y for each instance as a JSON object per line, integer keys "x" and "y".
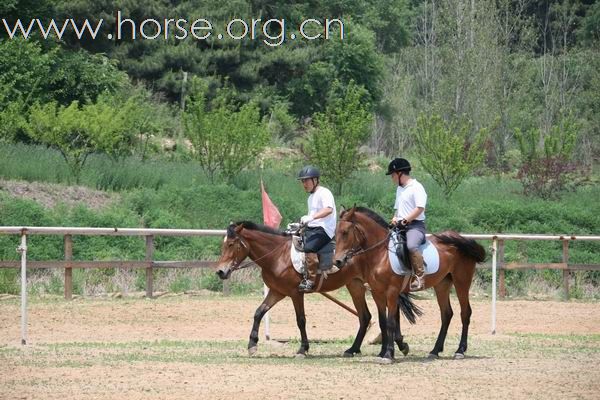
{"x": 353, "y": 252}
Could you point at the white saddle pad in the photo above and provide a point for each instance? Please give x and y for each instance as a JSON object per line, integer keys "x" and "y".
{"x": 297, "y": 258}
{"x": 431, "y": 258}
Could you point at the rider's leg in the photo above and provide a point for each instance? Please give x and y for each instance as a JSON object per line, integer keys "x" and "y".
{"x": 415, "y": 236}
{"x": 315, "y": 239}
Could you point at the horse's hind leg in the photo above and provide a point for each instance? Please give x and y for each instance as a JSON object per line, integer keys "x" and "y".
{"x": 462, "y": 284}
{"x": 381, "y": 316}
{"x": 272, "y": 298}
{"x": 298, "y": 301}
{"x": 442, "y": 292}
{"x": 357, "y": 291}
{"x": 398, "y": 338}
{"x": 391, "y": 322}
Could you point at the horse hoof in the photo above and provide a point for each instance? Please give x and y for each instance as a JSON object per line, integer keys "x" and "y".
{"x": 252, "y": 351}
{"x": 431, "y": 357}
{"x": 300, "y": 355}
{"x": 405, "y": 349}
{"x": 348, "y": 354}
{"x": 384, "y": 360}
{"x": 459, "y": 356}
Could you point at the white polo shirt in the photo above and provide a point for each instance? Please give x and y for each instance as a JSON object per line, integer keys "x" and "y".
{"x": 318, "y": 200}
{"x": 409, "y": 197}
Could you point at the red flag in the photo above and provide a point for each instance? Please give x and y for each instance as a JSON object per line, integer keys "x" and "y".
{"x": 271, "y": 215}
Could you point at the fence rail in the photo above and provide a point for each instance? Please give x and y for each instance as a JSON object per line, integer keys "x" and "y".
{"x": 498, "y": 263}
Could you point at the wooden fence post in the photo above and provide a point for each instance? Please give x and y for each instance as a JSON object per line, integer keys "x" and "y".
{"x": 149, "y": 274}
{"x": 68, "y": 241}
{"x": 566, "y": 272}
{"x": 501, "y": 270}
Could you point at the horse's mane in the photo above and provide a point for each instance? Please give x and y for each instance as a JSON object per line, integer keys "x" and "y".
{"x": 252, "y": 226}
{"x": 371, "y": 214}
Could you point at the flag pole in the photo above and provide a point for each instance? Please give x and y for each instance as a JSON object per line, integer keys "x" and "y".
{"x": 266, "y": 317}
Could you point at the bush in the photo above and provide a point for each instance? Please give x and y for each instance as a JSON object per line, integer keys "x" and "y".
{"x": 547, "y": 159}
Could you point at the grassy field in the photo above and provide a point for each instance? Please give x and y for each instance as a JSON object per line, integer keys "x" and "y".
{"x": 174, "y": 193}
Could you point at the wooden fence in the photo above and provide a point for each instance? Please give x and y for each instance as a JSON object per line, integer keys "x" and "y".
{"x": 150, "y": 264}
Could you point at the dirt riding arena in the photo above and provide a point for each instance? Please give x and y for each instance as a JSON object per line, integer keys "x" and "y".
{"x": 194, "y": 347}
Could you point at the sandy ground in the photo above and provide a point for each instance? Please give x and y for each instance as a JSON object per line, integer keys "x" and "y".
{"x": 195, "y": 347}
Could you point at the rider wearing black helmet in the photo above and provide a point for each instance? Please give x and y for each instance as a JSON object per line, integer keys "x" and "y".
{"x": 411, "y": 199}
{"x": 321, "y": 218}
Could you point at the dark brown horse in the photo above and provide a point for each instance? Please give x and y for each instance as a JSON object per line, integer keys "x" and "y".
{"x": 270, "y": 250}
{"x": 362, "y": 238}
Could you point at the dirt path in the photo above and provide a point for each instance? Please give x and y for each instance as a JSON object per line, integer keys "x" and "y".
{"x": 194, "y": 347}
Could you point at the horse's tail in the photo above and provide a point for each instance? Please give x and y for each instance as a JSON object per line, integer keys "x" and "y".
{"x": 410, "y": 310}
{"x": 468, "y": 247}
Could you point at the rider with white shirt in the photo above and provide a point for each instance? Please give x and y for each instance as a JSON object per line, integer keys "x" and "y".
{"x": 321, "y": 218}
{"x": 411, "y": 200}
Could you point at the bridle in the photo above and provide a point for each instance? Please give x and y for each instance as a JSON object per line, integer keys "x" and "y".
{"x": 358, "y": 250}
{"x": 237, "y": 264}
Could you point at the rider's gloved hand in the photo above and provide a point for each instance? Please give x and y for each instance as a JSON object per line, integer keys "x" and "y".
{"x": 306, "y": 219}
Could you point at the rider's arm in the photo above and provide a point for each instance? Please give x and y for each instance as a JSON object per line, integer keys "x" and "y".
{"x": 323, "y": 212}
{"x": 414, "y": 214}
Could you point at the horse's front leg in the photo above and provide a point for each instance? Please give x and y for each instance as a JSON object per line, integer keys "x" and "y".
{"x": 357, "y": 291}
{"x": 272, "y": 298}
{"x": 391, "y": 321}
{"x": 298, "y": 301}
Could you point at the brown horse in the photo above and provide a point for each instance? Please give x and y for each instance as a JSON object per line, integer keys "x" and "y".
{"x": 270, "y": 250}
{"x": 363, "y": 236}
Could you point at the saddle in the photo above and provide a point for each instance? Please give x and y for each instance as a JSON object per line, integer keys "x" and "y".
{"x": 324, "y": 255}
{"x": 401, "y": 247}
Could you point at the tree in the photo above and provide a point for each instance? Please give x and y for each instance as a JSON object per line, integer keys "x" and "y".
{"x": 338, "y": 133}
{"x": 449, "y": 150}
{"x": 63, "y": 129}
{"x": 12, "y": 118}
{"x": 226, "y": 137}
{"x": 76, "y": 132}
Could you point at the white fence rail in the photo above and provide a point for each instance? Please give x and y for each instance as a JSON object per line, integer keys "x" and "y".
{"x": 68, "y": 264}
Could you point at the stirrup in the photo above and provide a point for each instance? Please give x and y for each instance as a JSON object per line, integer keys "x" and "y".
{"x": 306, "y": 286}
{"x": 418, "y": 283}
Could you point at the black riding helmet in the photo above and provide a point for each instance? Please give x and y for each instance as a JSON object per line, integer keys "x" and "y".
{"x": 397, "y": 165}
{"x": 308, "y": 172}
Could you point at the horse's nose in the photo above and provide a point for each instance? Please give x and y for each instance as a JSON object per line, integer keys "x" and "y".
{"x": 223, "y": 273}
{"x": 339, "y": 263}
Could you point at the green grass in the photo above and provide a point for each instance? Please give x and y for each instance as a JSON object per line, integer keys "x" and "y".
{"x": 176, "y": 194}
{"x": 323, "y": 352}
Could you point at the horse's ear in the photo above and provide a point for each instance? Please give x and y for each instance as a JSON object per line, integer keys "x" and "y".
{"x": 342, "y": 210}
{"x": 239, "y": 228}
{"x": 350, "y": 213}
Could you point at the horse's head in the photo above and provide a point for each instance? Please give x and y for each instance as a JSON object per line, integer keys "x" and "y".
{"x": 233, "y": 251}
{"x": 349, "y": 237}
{"x": 355, "y": 228}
